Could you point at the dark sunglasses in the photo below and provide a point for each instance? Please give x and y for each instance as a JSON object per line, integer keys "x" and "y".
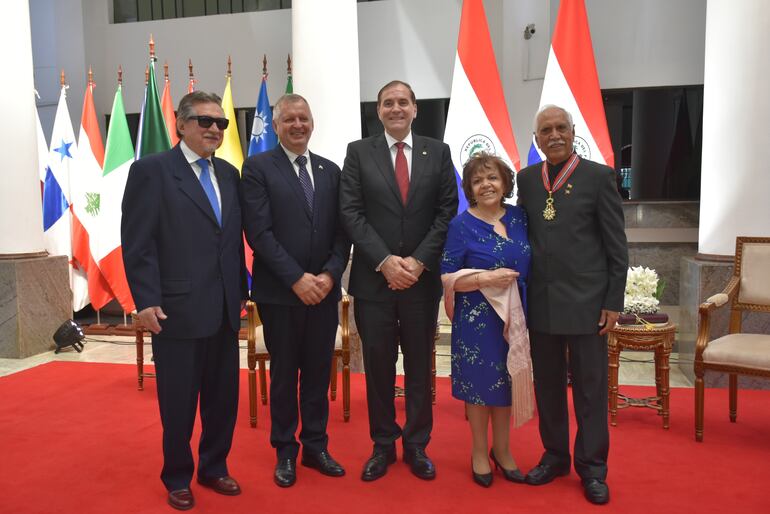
{"x": 207, "y": 121}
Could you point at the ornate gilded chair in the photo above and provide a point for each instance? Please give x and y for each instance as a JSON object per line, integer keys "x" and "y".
{"x": 736, "y": 353}
{"x": 258, "y": 356}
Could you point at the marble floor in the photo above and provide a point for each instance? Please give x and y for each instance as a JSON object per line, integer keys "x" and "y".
{"x": 636, "y": 368}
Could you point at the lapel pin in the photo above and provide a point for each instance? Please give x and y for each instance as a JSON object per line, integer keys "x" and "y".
{"x": 424, "y": 152}
{"x": 320, "y": 167}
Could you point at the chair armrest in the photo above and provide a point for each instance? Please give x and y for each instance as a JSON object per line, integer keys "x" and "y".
{"x": 704, "y": 314}
{"x": 345, "y": 323}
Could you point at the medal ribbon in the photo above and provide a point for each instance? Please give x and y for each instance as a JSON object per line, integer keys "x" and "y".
{"x": 563, "y": 175}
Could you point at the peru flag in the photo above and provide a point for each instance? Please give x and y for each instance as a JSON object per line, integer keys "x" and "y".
{"x": 571, "y": 82}
{"x": 478, "y": 117}
{"x": 85, "y": 185}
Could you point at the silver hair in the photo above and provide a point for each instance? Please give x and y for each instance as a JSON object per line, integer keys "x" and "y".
{"x": 289, "y": 98}
{"x": 186, "y": 109}
{"x": 545, "y": 108}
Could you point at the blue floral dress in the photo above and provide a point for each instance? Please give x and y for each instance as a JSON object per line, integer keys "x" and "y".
{"x": 479, "y": 351}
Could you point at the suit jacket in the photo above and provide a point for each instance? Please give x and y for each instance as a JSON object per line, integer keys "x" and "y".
{"x": 175, "y": 253}
{"x": 286, "y": 237}
{"x": 378, "y": 222}
{"x": 579, "y": 259}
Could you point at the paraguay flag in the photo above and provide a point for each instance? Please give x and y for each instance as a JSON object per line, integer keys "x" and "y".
{"x": 478, "y": 117}
{"x": 571, "y": 82}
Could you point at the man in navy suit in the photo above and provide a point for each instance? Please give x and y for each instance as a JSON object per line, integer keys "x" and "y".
{"x": 290, "y": 208}
{"x": 183, "y": 254}
{"x": 397, "y": 193}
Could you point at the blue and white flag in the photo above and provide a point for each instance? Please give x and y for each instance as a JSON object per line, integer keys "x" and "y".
{"x": 57, "y": 215}
{"x": 263, "y": 136}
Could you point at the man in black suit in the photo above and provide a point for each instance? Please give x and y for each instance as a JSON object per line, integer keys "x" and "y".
{"x": 183, "y": 254}
{"x": 290, "y": 208}
{"x": 397, "y": 195}
{"x": 576, "y": 285}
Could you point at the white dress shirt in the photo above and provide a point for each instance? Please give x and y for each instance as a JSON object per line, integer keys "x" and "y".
{"x": 293, "y": 158}
{"x": 192, "y": 157}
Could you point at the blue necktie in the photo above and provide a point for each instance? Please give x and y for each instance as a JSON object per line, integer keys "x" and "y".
{"x": 208, "y": 187}
{"x": 304, "y": 179}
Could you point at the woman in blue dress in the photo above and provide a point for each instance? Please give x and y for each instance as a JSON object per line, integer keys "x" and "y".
{"x": 491, "y": 235}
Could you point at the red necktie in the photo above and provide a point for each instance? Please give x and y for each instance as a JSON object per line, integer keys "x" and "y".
{"x": 402, "y": 171}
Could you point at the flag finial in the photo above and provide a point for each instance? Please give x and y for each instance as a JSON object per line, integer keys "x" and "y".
{"x": 146, "y": 74}
{"x": 288, "y": 65}
{"x": 165, "y": 71}
{"x": 264, "y": 65}
{"x": 191, "y": 83}
{"x": 120, "y": 75}
{"x": 190, "y": 67}
{"x": 62, "y": 79}
{"x": 152, "y": 48}
{"x": 91, "y": 82}
{"x": 229, "y": 67}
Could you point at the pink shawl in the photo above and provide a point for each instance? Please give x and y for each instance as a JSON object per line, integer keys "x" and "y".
{"x": 507, "y": 304}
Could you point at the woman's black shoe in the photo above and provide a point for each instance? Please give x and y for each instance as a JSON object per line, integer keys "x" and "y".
{"x": 512, "y": 475}
{"x": 483, "y": 479}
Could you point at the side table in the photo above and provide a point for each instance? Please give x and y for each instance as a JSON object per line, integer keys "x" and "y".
{"x": 641, "y": 337}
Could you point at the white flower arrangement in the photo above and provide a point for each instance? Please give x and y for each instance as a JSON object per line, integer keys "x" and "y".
{"x": 642, "y": 291}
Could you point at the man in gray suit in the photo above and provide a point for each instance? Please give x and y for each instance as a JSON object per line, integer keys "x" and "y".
{"x": 397, "y": 196}
{"x": 576, "y": 285}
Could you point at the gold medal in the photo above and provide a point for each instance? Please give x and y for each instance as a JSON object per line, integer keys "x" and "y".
{"x": 549, "y": 213}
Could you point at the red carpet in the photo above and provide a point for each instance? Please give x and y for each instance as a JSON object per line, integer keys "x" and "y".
{"x": 78, "y": 437}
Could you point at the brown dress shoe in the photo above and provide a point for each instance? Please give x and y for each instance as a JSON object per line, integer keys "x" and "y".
{"x": 223, "y": 485}
{"x": 181, "y": 499}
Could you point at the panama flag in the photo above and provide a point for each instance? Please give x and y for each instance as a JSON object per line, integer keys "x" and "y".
{"x": 118, "y": 156}
{"x": 478, "y": 117}
{"x": 85, "y": 184}
{"x": 571, "y": 82}
{"x": 263, "y": 136}
{"x": 57, "y": 216}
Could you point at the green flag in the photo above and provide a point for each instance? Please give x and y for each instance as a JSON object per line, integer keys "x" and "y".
{"x": 153, "y": 135}
{"x": 289, "y": 85}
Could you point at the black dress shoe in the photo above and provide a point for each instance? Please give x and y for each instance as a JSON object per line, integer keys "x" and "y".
{"x": 181, "y": 499}
{"x": 512, "y": 475}
{"x": 285, "y": 472}
{"x": 544, "y": 473}
{"x": 422, "y": 466}
{"x": 378, "y": 463}
{"x": 483, "y": 479}
{"x": 324, "y": 463}
{"x": 223, "y": 485}
{"x": 596, "y": 490}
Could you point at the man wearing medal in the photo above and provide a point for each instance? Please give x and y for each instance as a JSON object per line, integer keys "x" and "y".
{"x": 575, "y": 292}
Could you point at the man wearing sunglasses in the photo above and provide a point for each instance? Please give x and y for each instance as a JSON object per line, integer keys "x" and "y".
{"x": 183, "y": 254}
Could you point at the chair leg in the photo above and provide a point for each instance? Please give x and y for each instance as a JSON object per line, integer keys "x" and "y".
{"x": 733, "y": 397}
{"x": 140, "y": 359}
{"x": 333, "y": 380}
{"x": 252, "y": 397}
{"x": 699, "y": 408}
{"x": 345, "y": 392}
{"x": 263, "y": 381}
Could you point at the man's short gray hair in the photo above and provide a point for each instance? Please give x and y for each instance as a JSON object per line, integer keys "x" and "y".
{"x": 545, "y": 108}
{"x": 288, "y": 98}
{"x": 186, "y": 109}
